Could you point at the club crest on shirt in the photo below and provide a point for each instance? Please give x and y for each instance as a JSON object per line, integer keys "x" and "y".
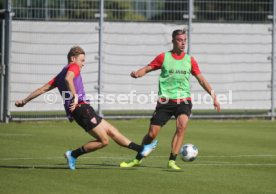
{"x": 93, "y": 120}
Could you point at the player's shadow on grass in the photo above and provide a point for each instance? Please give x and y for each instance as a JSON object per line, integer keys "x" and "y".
{"x": 64, "y": 166}
{"x": 173, "y": 171}
{"x": 104, "y": 166}
{"x": 33, "y": 167}
{"x": 84, "y": 167}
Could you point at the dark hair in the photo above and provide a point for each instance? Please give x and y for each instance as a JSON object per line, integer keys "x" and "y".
{"x": 74, "y": 52}
{"x": 178, "y": 32}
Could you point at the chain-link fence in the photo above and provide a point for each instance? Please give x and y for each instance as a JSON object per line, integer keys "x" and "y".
{"x": 145, "y": 10}
{"x": 231, "y": 41}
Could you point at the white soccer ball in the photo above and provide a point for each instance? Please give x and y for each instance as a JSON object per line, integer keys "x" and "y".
{"x": 188, "y": 152}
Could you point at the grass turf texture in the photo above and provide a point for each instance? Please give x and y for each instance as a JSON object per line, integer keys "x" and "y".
{"x": 61, "y": 114}
{"x": 234, "y": 157}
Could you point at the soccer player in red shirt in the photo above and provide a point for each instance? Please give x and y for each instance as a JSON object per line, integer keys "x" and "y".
{"x": 70, "y": 85}
{"x": 174, "y": 95}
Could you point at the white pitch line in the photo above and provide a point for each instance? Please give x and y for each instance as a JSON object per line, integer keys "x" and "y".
{"x": 240, "y": 156}
{"x": 233, "y": 164}
{"x": 121, "y": 157}
{"x": 16, "y": 134}
{"x": 183, "y": 165}
{"x": 60, "y": 157}
{"x": 46, "y": 158}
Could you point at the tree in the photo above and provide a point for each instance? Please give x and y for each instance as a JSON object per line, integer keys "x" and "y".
{"x": 73, "y": 10}
{"x": 170, "y": 10}
{"x": 233, "y": 11}
{"x": 173, "y": 10}
{"x": 218, "y": 11}
{"x": 118, "y": 10}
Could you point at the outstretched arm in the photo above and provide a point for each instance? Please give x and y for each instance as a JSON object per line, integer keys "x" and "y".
{"x": 47, "y": 87}
{"x": 141, "y": 72}
{"x": 207, "y": 87}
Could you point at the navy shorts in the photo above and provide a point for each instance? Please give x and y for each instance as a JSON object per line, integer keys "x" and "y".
{"x": 86, "y": 117}
{"x": 164, "y": 112}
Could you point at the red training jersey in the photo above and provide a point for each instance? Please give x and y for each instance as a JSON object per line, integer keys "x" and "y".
{"x": 158, "y": 61}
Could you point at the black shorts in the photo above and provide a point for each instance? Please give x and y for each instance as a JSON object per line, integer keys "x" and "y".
{"x": 164, "y": 112}
{"x": 86, "y": 117}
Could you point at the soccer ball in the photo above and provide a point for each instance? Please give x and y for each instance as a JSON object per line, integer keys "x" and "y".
{"x": 188, "y": 152}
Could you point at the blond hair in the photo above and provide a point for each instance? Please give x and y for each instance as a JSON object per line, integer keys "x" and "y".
{"x": 74, "y": 52}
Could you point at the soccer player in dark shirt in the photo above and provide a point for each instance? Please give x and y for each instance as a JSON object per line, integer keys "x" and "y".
{"x": 70, "y": 85}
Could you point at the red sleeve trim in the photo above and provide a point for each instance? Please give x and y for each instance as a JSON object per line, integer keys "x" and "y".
{"x": 195, "y": 69}
{"x": 74, "y": 68}
{"x": 52, "y": 82}
{"x": 158, "y": 61}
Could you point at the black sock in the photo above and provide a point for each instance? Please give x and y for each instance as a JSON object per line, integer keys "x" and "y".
{"x": 77, "y": 152}
{"x": 135, "y": 147}
{"x": 139, "y": 156}
{"x": 173, "y": 156}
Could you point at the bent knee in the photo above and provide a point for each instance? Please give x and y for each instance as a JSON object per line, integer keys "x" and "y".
{"x": 104, "y": 142}
{"x": 181, "y": 129}
{"x": 181, "y": 126}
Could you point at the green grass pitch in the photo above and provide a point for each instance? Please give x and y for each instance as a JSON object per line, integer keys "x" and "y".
{"x": 235, "y": 157}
